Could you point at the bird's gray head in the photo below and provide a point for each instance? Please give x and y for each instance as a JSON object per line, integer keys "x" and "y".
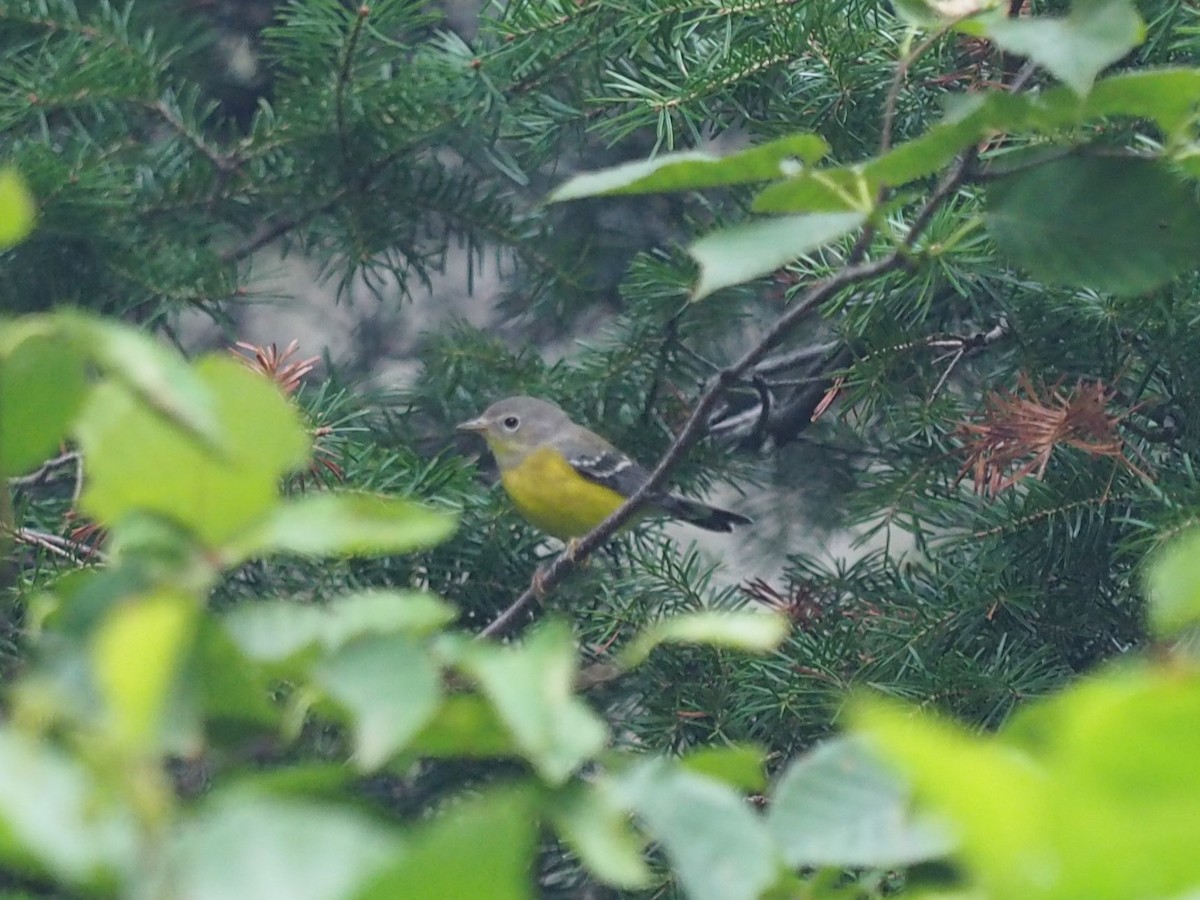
{"x": 515, "y": 426}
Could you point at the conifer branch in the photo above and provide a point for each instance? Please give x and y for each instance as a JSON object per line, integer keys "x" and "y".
{"x": 547, "y": 578}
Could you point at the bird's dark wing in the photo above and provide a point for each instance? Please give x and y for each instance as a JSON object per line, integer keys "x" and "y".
{"x": 611, "y": 469}
{"x": 617, "y": 472}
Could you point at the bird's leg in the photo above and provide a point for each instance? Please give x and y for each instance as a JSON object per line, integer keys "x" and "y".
{"x": 572, "y": 550}
{"x": 539, "y": 584}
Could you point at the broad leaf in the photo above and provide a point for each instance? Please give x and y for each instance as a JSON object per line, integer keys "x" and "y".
{"x": 757, "y": 248}
{"x": 55, "y": 818}
{"x": 1173, "y": 586}
{"x": 820, "y": 190}
{"x": 1076, "y": 48}
{"x": 754, "y": 632}
{"x": 1168, "y": 96}
{"x": 741, "y": 766}
{"x": 465, "y": 725}
{"x": 159, "y": 377}
{"x": 42, "y": 387}
{"x": 838, "y": 806}
{"x": 693, "y": 170}
{"x": 993, "y": 795}
{"x": 248, "y": 844}
{"x": 137, "y": 653}
{"x": 531, "y": 688}
{"x": 598, "y": 829}
{"x": 274, "y": 630}
{"x": 347, "y": 525}
{"x": 718, "y": 848}
{"x": 480, "y": 848}
{"x": 18, "y": 210}
{"x": 137, "y": 461}
{"x": 391, "y": 688}
{"x": 1124, "y": 226}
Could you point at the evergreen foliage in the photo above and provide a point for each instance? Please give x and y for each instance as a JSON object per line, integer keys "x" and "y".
{"x": 1012, "y": 391}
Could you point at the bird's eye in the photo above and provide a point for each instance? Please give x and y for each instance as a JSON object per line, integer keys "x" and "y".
{"x": 511, "y": 423}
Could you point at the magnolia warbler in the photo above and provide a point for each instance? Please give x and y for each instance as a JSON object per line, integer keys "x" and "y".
{"x": 565, "y": 479}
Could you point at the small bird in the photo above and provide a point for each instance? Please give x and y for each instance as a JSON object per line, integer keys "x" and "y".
{"x": 565, "y": 479}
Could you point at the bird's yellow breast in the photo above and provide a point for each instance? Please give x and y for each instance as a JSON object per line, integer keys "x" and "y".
{"x": 548, "y": 492}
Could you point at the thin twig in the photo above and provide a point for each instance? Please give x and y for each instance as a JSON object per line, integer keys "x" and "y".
{"x": 59, "y": 546}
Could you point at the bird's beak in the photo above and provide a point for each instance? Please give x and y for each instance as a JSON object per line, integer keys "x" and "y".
{"x": 477, "y": 424}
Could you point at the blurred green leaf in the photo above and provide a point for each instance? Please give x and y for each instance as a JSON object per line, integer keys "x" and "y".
{"x": 749, "y": 251}
{"x": 245, "y": 844}
{"x": 531, "y": 687}
{"x": 346, "y": 525}
{"x": 718, "y": 848}
{"x": 274, "y": 630}
{"x": 18, "y": 209}
{"x": 136, "y": 460}
{"x": 1119, "y": 225}
{"x": 1076, "y": 48}
{"x": 820, "y": 190}
{"x": 693, "y": 170}
{"x": 754, "y": 632}
{"x": 598, "y": 829}
{"x": 741, "y": 766}
{"x": 137, "y": 653}
{"x": 993, "y": 795}
{"x": 233, "y": 692}
{"x": 1173, "y": 585}
{"x": 465, "y": 725}
{"x": 55, "y": 818}
{"x": 389, "y": 685}
{"x": 480, "y": 848}
{"x": 42, "y": 386}
{"x": 838, "y": 806}
{"x": 160, "y": 377}
{"x": 1168, "y": 96}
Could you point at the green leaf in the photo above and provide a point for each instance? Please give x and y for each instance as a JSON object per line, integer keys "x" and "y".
{"x": 742, "y": 766}
{"x": 1168, "y": 96}
{"x": 757, "y": 248}
{"x": 820, "y": 190}
{"x": 693, "y": 170}
{"x": 1095, "y": 34}
{"x": 18, "y": 209}
{"x": 244, "y": 844}
{"x": 137, "y": 653}
{"x": 754, "y": 632}
{"x": 391, "y": 688}
{"x": 233, "y": 692}
{"x": 42, "y": 387}
{"x": 718, "y": 848}
{"x": 935, "y": 14}
{"x": 1105, "y": 790}
{"x": 137, "y": 461}
{"x": 1124, "y": 226}
{"x": 1173, "y": 586}
{"x": 159, "y": 377}
{"x": 994, "y": 795}
{"x": 482, "y": 848}
{"x": 838, "y": 806}
{"x": 598, "y": 830}
{"x": 465, "y": 725}
{"x": 531, "y": 688}
{"x": 274, "y": 630}
{"x": 347, "y": 525}
{"x": 55, "y": 818}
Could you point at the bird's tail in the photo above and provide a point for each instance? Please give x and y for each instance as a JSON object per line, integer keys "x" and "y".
{"x": 710, "y": 518}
